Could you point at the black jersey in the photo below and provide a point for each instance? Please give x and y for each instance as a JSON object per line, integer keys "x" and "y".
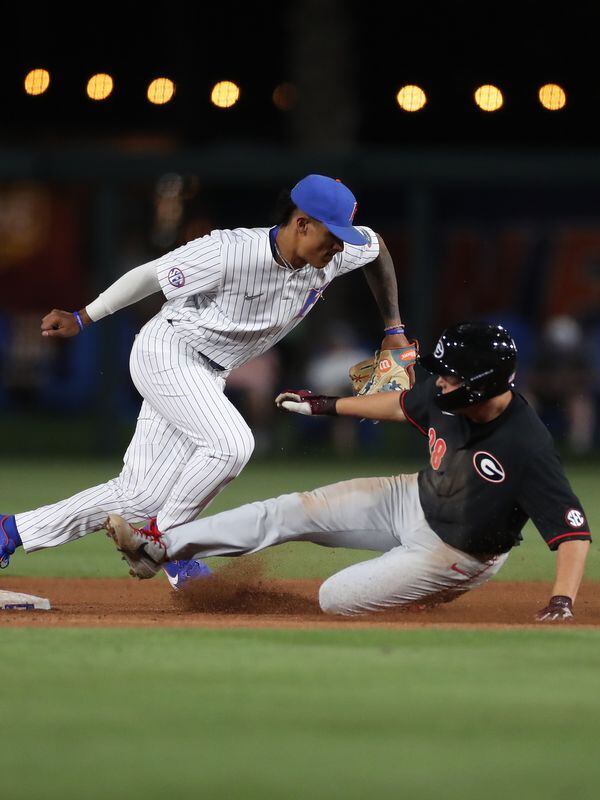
{"x": 485, "y": 480}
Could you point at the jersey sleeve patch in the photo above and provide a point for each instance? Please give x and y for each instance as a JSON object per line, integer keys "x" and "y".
{"x": 195, "y": 268}
{"x": 575, "y": 518}
{"x": 176, "y": 277}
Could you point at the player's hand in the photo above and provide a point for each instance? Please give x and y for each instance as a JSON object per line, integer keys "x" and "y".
{"x": 60, "y": 323}
{"x": 559, "y": 609}
{"x": 399, "y": 340}
{"x": 301, "y": 401}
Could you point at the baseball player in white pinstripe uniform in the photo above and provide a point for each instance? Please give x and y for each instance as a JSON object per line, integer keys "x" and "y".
{"x": 230, "y": 296}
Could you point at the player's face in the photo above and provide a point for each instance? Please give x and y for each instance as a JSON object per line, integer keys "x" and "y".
{"x": 447, "y": 383}
{"x": 316, "y": 244}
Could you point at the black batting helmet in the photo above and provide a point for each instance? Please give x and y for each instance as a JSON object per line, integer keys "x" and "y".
{"x": 482, "y": 356}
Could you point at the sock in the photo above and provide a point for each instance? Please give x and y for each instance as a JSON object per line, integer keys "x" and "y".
{"x": 9, "y": 526}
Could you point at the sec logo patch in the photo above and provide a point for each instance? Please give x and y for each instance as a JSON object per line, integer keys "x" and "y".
{"x": 575, "y": 518}
{"x": 488, "y": 467}
{"x": 176, "y": 277}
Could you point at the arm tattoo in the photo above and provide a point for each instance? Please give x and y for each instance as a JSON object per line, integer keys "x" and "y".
{"x": 381, "y": 277}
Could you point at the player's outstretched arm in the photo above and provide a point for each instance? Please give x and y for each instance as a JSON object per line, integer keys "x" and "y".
{"x": 384, "y": 406}
{"x": 570, "y": 564}
{"x": 134, "y": 285}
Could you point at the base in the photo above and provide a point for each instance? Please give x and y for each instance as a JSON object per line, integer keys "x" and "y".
{"x": 15, "y": 601}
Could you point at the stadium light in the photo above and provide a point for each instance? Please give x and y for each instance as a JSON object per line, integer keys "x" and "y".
{"x": 160, "y": 91}
{"x": 552, "y": 96}
{"x": 411, "y": 98}
{"x": 37, "y": 81}
{"x": 285, "y": 96}
{"x": 489, "y": 97}
{"x": 225, "y": 94}
{"x": 99, "y": 86}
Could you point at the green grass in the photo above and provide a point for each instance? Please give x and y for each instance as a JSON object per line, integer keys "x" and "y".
{"x": 295, "y": 714}
{"x": 351, "y": 714}
{"x": 27, "y": 484}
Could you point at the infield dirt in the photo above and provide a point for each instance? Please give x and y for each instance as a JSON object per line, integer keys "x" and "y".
{"x": 241, "y": 597}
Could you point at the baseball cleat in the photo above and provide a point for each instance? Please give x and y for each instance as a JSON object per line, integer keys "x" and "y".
{"x": 7, "y": 545}
{"x": 142, "y": 548}
{"x": 179, "y": 573}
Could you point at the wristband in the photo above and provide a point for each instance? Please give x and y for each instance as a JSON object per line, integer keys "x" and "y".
{"x": 323, "y": 405}
{"x": 393, "y": 329}
{"x": 562, "y": 601}
{"x": 79, "y": 322}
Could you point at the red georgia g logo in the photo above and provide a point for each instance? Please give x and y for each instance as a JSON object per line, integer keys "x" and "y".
{"x": 437, "y": 449}
{"x": 488, "y": 467}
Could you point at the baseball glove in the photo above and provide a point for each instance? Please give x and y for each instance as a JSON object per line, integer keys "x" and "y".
{"x": 385, "y": 372}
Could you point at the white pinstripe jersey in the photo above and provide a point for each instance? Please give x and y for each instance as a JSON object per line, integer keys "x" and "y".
{"x": 231, "y": 300}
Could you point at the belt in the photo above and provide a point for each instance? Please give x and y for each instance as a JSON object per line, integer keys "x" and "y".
{"x": 212, "y": 364}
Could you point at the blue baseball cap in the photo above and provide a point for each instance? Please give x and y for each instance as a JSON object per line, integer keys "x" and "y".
{"x": 330, "y": 202}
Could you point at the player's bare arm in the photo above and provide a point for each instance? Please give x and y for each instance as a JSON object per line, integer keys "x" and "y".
{"x": 570, "y": 564}
{"x": 381, "y": 277}
{"x": 384, "y": 406}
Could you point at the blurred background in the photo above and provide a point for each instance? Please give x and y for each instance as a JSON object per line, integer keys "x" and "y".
{"x": 468, "y": 135}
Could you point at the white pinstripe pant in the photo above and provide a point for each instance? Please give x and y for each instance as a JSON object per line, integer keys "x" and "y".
{"x": 189, "y": 442}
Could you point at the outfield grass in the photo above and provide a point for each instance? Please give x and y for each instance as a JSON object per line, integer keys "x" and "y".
{"x": 28, "y": 484}
{"x": 296, "y": 714}
{"x": 460, "y": 715}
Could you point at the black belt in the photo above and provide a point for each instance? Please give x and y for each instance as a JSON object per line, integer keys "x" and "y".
{"x": 212, "y": 364}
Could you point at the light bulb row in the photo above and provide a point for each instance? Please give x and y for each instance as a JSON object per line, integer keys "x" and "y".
{"x": 226, "y": 94}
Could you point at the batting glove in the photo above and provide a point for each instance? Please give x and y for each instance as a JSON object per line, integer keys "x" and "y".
{"x": 302, "y": 401}
{"x": 560, "y": 607}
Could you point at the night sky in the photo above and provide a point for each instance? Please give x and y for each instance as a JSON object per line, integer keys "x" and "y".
{"x": 448, "y": 49}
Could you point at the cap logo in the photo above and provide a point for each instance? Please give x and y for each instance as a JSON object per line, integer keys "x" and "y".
{"x": 439, "y": 349}
{"x": 353, "y": 211}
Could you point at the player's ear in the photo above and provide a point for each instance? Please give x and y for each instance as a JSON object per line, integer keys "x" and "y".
{"x": 302, "y": 224}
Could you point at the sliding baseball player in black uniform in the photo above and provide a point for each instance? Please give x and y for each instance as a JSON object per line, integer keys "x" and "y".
{"x": 492, "y": 465}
